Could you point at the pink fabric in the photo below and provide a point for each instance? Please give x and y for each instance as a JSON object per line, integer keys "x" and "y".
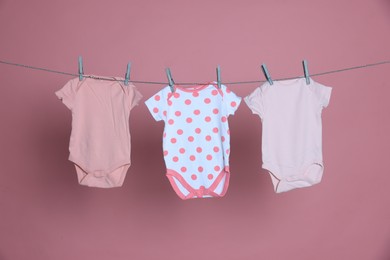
{"x": 100, "y": 139}
{"x": 290, "y": 111}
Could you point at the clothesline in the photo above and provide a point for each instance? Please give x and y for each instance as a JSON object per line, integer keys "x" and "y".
{"x": 188, "y": 83}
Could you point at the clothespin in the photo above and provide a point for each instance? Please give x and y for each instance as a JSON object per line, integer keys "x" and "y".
{"x": 305, "y": 70}
{"x": 81, "y": 70}
{"x": 266, "y": 74}
{"x": 127, "y": 75}
{"x": 219, "y": 76}
{"x": 170, "y": 80}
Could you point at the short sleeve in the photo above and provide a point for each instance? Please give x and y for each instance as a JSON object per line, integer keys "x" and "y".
{"x": 67, "y": 93}
{"x": 322, "y": 93}
{"x": 230, "y": 100}
{"x": 158, "y": 104}
{"x": 134, "y": 96}
{"x": 255, "y": 102}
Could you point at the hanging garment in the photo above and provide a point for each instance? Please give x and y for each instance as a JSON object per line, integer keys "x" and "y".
{"x": 100, "y": 139}
{"x": 196, "y": 141}
{"x": 290, "y": 111}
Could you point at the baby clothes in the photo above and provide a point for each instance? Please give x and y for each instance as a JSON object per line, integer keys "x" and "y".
{"x": 290, "y": 111}
{"x": 196, "y": 141}
{"x": 100, "y": 138}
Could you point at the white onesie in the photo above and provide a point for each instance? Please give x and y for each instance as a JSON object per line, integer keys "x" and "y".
{"x": 290, "y": 111}
{"x": 196, "y": 137}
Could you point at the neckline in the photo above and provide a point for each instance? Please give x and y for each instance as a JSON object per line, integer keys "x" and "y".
{"x": 100, "y": 78}
{"x": 289, "y": 82}
{"x": 106, "y": 80}
{"x": 195, "y": 88}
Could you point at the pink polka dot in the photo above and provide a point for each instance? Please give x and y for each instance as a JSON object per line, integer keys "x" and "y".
{"x": 214, "y": 92}
{"x": 200, "y": 169}
{"x": 169, "y": 103}
{"x": 175, "y": 158}
{"x": 191, "y": 138}
{"x": 157, "y": 97}
{"x": 176, "y": 95}
{"x": 209, "y": 157}
{"x": 182, "y": 150}
{"x": 207, "y": 119}
{"x": 188, "y": 102}
{"x": 165, "y": 113}
{"x": 179, "y": 132}
{"x": 207, "y": 100}
{"x": 193, "y": 176}
{"x": 228, "y": 90}
{"x": 215, "y": 110}
{"x": 216, "y": 149}
{"x": 208, "y": 138}
{"x": 210, "y": 176}
{"x": 223, "y": 119}
{"x": 165, "y": 135}
{"x": 177, "y": 113}
{"x": 189, "y": 120}
{"x": 195, "y": 94}
{"x": 233, "y": 104}
{"x": 217, "y": 168}
{"x": 223, "y": 138}
{"x": 165, "y": 153}
{"x": 170, "y": 121}
{"x": 215, "y": 129}
{"x": 183, "y": 169}
{"x": 197, "y": 130}
{"x": 192, "y": 157}
{"x": 199, "y": 149}
{"x": 173, "y": 140}
{"x": 196, "y": 111}
{"x": 155, "y": 110}
{"x": 227, "y": 151}
{"x": 228, "y": 131}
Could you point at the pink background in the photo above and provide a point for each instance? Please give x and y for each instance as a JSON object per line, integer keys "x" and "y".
{"x": 45, "y": 214}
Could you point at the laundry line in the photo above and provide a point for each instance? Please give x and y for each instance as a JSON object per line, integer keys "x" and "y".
{"x": 193, "y": 83}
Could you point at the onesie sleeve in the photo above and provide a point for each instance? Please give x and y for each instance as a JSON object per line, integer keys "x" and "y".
{"x": 67, "y": 93}
{"x": 322, "y": 93}
{"x": 158, "y": 104}
{"x": 255, "y": 102}
{"x": 231, "y": 100}
{"x": 134, "y": 96}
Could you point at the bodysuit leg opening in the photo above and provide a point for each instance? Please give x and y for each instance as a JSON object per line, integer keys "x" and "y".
{"x": 313, "y": 173}
{"x": 185, "y": 191}
{"x": 114, "y": 178}
{"x": 275, "y": 181}
{"x": 306, "y": 176}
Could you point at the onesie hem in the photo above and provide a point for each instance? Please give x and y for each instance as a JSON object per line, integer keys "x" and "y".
{"x": 88, "y": 172}
{"x": 202, "y": 191}
{"x": 303, "y": 179}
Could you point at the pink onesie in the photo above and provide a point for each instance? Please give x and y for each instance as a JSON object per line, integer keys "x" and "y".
{"x": 100, "y": 140}
{"x": 290, "y": 111}
{"x": 196, "y": 137}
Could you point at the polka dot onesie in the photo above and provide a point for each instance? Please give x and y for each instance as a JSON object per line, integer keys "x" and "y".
{"x": 196, "y": 141}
